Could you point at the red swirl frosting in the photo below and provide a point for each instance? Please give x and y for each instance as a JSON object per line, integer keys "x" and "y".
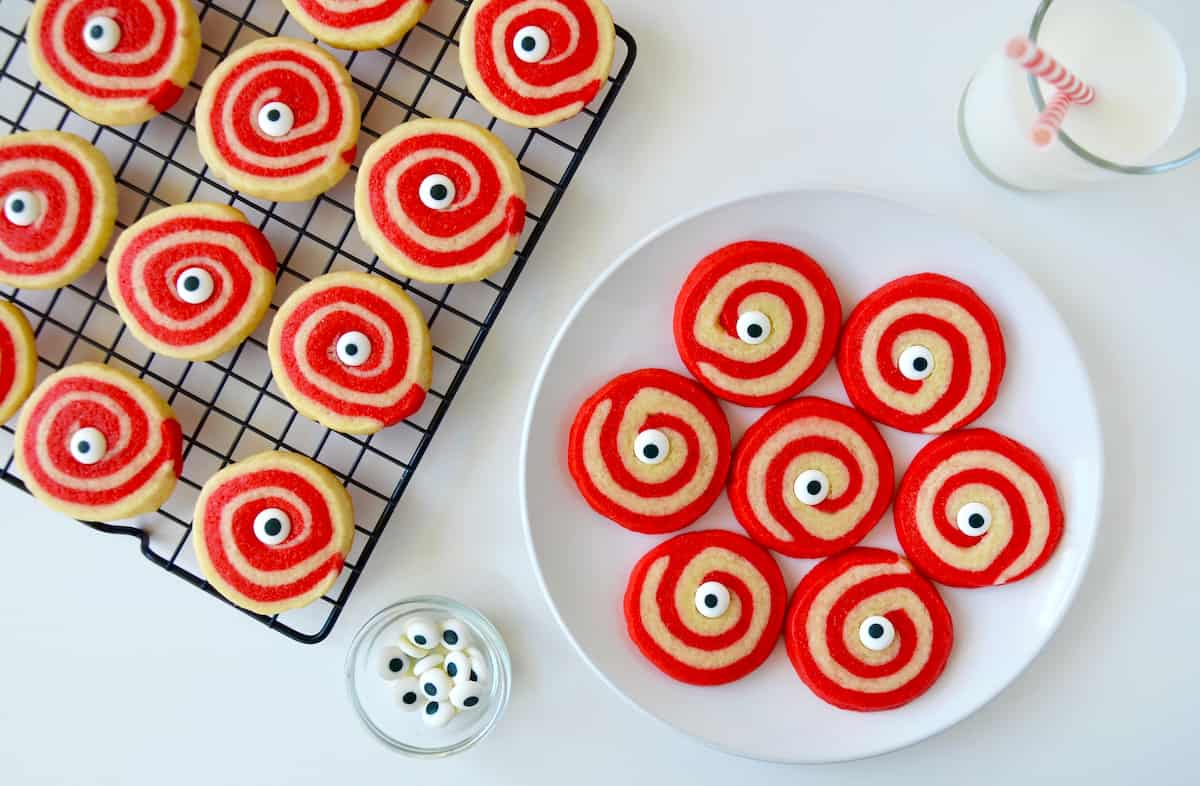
{"x": 706, "y": 607}
{"x": 866, "y": 632}
{"x": 551, "y": 79}
{"x": 75, "y": 199}
{"x": 147, "y": 263}
{"x": 141, "y": 457}
{"x": 271, "y": 577}
{"x": 794, "y": 315}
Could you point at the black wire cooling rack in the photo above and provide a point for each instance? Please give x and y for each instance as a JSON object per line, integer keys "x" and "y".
{"x": 229, "y": 408}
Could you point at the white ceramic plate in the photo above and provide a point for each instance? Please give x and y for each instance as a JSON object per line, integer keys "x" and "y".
{"x": 624, "y": 322}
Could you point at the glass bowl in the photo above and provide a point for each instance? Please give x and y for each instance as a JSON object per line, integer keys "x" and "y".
{"x": 374, "y": 698}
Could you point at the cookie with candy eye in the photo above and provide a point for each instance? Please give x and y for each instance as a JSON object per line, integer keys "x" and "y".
{"x": 278, "y": 119}
{"x": 18, "y": 360}
{"x": 706, "y": 607}
{"x": 357, "y": 25}
{"x": 98, "y": 444}
{"x": 811, "y": 478}
{"x": 441, "y": 201}
{"x": 866, "y": 632}
{"x": 116, "y": 62}
{"x": 976, "y": 509}
{"x": 533, "y": 63}
{"x": 757, "y": 322}
{"x": 192, "y": 281}
{"x": 272, "y": 531}
{"x": 923, "y": 353}
{"x": 650, "y": 450}
{"x": 352, "y": 351}
{"x": 60, "y": 204}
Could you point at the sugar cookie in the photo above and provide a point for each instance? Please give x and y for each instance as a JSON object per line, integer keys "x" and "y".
{"x": 18, "y": 360}
{"x": 357, "y": 24}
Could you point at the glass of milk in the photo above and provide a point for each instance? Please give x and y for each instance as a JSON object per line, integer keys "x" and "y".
{"x": 1145, "y": 120}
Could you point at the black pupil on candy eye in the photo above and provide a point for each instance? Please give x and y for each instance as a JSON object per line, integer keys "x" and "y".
{"x": 395, "y": 664}
{"x": 429, "y": 688}
{"x": 755, "y": 331}
{"x": 18, "y": 205}
{"x": 431, "y": 708}
{"x": 84, "y": 446}
{"x": 451, "y": 669}
{"x": 352, "y": 349}
{"x": 470, "y": 701}
{"x": 419, "y": 640}
{"x": 409, "y": 698}
{"x": 975, "y": 520}
{"x": 438, "y": 192}
{"x": 711, "y": 601}
{"x": 273, "y": 527}
{"x": 920, "y": 364}
{"x": 474, "y": 677}
{"x": 273, "y": 115}
{"x": 528, "y": 43}
{"x": 97, "y": 31}
{"x": 875, "y": 630}
{"x": 451, "y": 638}
{"x": 813, "y": 487}
{"x": 650, "y": 451}
{"x": 191, "y": 283}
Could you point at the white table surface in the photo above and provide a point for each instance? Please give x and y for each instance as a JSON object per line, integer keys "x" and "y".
{"x": 115, "y": 673}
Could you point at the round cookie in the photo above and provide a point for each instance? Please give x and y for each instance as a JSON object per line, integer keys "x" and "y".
{"x": 706, "y": 607}
{"x": 811, "y": 478}
{"x": 977, "y": 509}
{"x": 18, "y": 360}
{"x": 757, "y": 322}
{"x": 191, "y": 281}
{"x": 278, "y": 119}
{"x": 923, "y": 353}
{"x": 866, "y": 632}
{"x": 272, "y": 531}
{"x": 357, "y": 24}
{"x": 650, "y": 450}
{"x": 351, "y": 351}
{"x": 533, "y": 63}
{"x": 98, "y": 444}
{"x": 60, "y": 204}
{"x": 441, "y": 201}
{"x": 116, "y": 62}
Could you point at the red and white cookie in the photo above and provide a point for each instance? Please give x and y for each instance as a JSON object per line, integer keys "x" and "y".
{"x": 650, "y": 450}
{"x": 278, "y": 119}
{"x": 357, "y": 24}
{"x": 811, "y": 478}
{"x": 757, "y": 322}
{"x": 976, "y": 509}
{"x": 272, "y": 531}
{"x": 351, "y": 351}
{"x": 866, "y": 632}
{"x": 18, "y": 360}
{"x": 193, "y": 280}
{"x": 60, "y": 204}
{"x": 441, "y": 201}
{"x": 536, "y": 62}
{"x": 116, "y": 62}
{"x": 923, "y": 353}
{"x": 98, "y": 444}
{"x": 706, "y": 607}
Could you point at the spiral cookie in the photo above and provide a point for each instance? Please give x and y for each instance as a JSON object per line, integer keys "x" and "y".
{"x": 116, "y": 62}
{"x": 650, "y": 450}
{"x": 18, "y": 360}
{"x": 706, "y": 607}
{"x": 536, "y": 62}
{"x": 278, "y": 119}
{"x": 272, "y": 531}
{"x": 757, "y": 322}
{"x": 98, "y": 444}
{"x": 193, "y": 280}
{"x": 351, "y": 351}
{"x": 976, "y": 508}
{"x": 357, "y": 24}
{"x": 866, "y": 632}
{"x": 60, "y": 203}
{"x": 440, "y": 201}
{"x": 922, "y": 354}
{"x": 810, "y": 478}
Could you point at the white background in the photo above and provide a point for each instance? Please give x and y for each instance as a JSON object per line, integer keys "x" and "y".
{"x": 111, "y": 672}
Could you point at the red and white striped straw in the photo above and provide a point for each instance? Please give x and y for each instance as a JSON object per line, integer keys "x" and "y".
{"x": 1042, "y": 65}
{"x": 1045, "y": 130}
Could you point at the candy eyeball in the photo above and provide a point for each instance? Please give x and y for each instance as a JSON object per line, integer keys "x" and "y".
{"x": 811, "y": 487}
{"x": 481, "y": 669}
{"x": 466, "y": 695}
{"x": 531, "y": 44}
{"x": 272, "y": 526}
{"x": 101, "y": 34}
{"x": 422, "y": 633}
{"x": 974, "y": 519}
{"x": 437, "y": 713}
{"x": 753, "y": 327}
{"x": 393, "y": 663}
{"x": 410, "y": 649}
{"x": 22, "y": 207}
{"x": 651, "y": 446}
{"x": 426, "y": 663}
{"x": 275, "y": 118}
{"x": 458, "y": 666}
{"x": 876, "y": 633}
{"x": 88, "y": 445}
{"x": 194, "y": 285}
{"x": 455, "y": 635}
{"x": 712, "y": 599}
{"x": 408, "y": 693}
{"x": 437, "y": 192}
{"x": 436, "y": 685}
{"x": 916, "y": 362}
{"x": 353, "y": 348}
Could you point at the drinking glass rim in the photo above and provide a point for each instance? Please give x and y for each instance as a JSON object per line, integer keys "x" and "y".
{"x": 1039, "y": 101}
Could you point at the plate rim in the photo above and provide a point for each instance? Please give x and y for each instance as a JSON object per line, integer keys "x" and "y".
{"x": 1089, "y": 405}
